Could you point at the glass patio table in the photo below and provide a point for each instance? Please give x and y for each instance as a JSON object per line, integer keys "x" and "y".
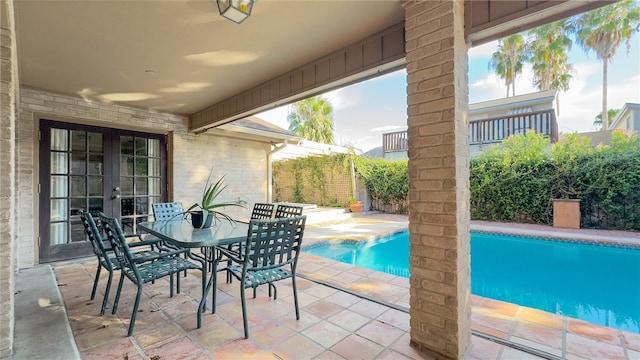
{"x": 180, "y": 233}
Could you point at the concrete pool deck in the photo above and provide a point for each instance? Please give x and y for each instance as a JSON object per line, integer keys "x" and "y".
{"x": 367, "y": 320}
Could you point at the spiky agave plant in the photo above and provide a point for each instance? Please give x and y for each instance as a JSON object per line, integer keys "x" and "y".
{"x": 210, "y": 203}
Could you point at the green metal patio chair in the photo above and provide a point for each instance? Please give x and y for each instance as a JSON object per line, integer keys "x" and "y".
{"x": 270, "y": 254}
{"x": 167, "y": 264}
{"x": 262, "y": 211}
{"x": 284, "y": 210}
{"x": 144, "y": 251}
{"x": 167, "y": 211}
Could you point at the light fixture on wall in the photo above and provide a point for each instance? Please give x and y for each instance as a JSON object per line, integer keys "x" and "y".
{"x": 235, "y": 10}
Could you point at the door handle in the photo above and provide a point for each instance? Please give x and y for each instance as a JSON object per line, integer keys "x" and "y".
{"x": 117, "y": 188}
{"x": 116, "y": 196}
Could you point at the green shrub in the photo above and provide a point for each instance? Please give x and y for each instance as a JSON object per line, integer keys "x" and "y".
{"x": 386, "y": 181}
{"x": 518, "y": 181}
{"x": 514, "y": 182}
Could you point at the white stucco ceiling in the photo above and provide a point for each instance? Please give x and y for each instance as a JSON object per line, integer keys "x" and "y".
{"x": 180, "y": 56}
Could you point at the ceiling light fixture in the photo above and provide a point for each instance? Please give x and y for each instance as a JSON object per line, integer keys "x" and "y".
{"x": 235, "y": 10}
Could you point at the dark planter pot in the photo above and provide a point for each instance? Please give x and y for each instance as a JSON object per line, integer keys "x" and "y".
{"x": 196, "y": 220}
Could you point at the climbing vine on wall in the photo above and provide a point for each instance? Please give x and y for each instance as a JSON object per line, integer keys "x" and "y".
{"x": 323, "y": 180}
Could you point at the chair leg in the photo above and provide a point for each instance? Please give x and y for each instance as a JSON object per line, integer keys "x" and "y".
{"x": 295, "y": 295}
{"x": 171, "y": 283}
{"x": 95, "y": 281}
{"x": 135, "y": 310}
{"x": 275, "y": 291}
{"x": 254, "y": 292}
{"x": 106, "y": 293}
{"x": 117, "y": 299}
{"x": 244, "y": 310}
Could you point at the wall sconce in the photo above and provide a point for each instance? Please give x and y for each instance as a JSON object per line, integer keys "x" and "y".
{"x": 235, "y": 10}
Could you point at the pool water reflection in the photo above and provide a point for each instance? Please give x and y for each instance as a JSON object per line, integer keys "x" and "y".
{"x": 598, "y": 284}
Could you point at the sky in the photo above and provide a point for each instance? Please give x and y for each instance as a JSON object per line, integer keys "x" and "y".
{"x": 366, "y": 110}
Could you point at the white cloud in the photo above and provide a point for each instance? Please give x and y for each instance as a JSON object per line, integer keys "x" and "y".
{"x": 484, "y": 50}
{"x": 277, "y": 116}
{"x": 343, "y": 98}
{"x": 388, "y": 128}
{"x": 491, "y": 87}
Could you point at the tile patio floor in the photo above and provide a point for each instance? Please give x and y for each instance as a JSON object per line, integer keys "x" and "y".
{"x": 333, "y": 324}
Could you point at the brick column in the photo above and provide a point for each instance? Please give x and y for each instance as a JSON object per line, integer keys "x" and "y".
{"x": 8, "y": 94}
{"x": 438, "y": 177}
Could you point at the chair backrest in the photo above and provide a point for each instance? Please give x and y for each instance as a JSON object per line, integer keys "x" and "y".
{"x": 262, "y": 211}
{"x": 167, "y": 211}
{"x": 273, "y": 243}
{"x": 114, "y": 233}
{"x": 284, "y": 211}
{"x": 91, "y": 229}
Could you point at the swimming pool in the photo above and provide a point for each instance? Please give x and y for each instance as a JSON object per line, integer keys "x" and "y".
{"x": 596, "y": 283}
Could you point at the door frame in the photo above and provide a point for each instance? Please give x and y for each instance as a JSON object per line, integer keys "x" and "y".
{"x": 43, "y": 252}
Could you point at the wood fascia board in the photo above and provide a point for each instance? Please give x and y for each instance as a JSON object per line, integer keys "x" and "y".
{"x": 365, "y": 59}
{"x": 538, "y": 14}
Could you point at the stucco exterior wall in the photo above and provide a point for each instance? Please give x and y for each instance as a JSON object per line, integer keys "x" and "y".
{"x": 193, "y": 156}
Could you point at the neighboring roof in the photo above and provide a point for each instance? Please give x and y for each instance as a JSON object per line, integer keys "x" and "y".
{"x": 255, "y": 127}
{"x": 597, "y": 137}
{"x": 306, "y": 148}
{"x": 626, "y": 108}
{"x": 257, "y": 124}
{"x": 259, "y": 130}
{"x": 530, "y": 99}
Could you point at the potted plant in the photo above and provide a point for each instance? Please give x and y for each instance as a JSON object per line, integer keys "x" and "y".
{"x": 566, "y": 203}
{"x": 355, "y": 205}
{"x": 203, "y": 213}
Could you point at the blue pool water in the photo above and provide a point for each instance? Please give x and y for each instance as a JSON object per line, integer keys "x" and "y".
{"x": 598, "y": 284}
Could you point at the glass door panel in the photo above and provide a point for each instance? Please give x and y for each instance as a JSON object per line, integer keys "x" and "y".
{"x": 74, "y": 176}
{"x": 140, "y": 179}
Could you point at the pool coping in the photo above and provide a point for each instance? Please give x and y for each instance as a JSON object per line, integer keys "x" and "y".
{"x": 568, "y": 235}
{"x": 548, "y": 235}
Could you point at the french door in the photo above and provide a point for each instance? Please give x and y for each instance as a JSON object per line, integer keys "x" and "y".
{"x": 117, "y": 172}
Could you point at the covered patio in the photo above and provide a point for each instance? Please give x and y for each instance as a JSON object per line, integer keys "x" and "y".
{"x": 347, "y": 313}
{"x": 170, "y": 72}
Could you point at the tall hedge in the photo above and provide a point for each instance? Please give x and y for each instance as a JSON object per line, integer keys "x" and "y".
{"x": 514, "y": 182}
{"x": 387, "y": 181}
{"x": 517, "y": 181}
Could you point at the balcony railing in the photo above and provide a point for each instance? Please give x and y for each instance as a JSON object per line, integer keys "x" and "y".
{"x": 491, "y": 131}
{"x": 395, "y": 141}
{"x": 494, "y": 130}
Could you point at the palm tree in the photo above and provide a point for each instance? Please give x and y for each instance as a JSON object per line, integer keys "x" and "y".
{"x": 508, "y": 59}
{"x": 603, "y": 30}
{"x": 612, "y": 113}
{"x": 547, "y": 49}
{"x": 312, "y": 119}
